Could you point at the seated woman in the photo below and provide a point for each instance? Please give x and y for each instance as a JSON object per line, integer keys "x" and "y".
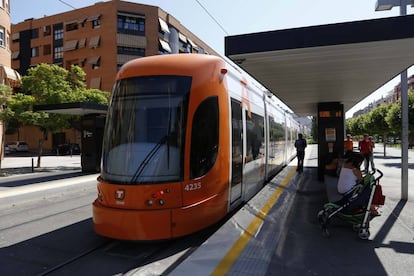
{"x": 350, "y": 175}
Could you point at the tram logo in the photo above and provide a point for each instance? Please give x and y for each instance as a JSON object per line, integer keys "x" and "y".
{"x": 120, "y": 194}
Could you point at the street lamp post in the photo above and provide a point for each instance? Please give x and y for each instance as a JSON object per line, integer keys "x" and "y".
{"x": 382, "y": 5}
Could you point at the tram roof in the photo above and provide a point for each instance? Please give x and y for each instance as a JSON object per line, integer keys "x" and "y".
{"x": 343, "y": 62}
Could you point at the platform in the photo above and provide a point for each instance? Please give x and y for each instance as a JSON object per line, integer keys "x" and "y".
{"x": 277, "y": 232}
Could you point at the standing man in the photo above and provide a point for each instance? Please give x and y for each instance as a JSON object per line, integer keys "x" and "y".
{"x": 348, "y": 144}
{"x": 300, "y": 145}
{"x": 365, "y": 148}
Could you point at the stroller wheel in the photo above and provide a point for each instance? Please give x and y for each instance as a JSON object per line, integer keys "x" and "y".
{"x": 356, "y": 227}
{"x": 363, "y": 234}
{"x": 323, "y": 217}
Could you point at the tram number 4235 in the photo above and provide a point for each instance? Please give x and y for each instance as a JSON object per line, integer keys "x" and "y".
{"x": 192, "y": 186}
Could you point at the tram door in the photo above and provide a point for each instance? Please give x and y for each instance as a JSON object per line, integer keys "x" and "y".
{"x": 237, "y": 151}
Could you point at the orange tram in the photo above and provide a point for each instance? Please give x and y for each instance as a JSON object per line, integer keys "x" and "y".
{"x": 187, "y": 140}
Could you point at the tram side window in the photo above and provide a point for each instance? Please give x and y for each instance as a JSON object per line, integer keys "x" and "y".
{"x": 255, "y": 136}
{"x": 204, "y": 138}
{"x": 277, "y": 137}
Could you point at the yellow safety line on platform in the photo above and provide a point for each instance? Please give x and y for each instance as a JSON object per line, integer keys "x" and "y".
{"x": 227, "y": 262}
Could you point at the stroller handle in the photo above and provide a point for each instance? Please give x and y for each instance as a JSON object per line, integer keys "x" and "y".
{"x": 380, "y": 174}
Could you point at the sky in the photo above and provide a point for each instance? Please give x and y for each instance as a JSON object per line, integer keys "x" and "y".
{"x": 213, "y": 20}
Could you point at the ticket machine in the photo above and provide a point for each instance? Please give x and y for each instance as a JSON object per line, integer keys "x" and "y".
{"x": 331, "y": 125}
{"x": 92, "y": 137}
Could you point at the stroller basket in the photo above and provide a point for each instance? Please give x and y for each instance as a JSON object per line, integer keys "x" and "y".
{"x": 355, "y": 207}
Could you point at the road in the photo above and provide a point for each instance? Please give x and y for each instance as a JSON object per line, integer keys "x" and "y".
{"x": 46, "y": 229}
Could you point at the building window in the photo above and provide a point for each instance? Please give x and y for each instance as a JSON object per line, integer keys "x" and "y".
{"x": 47, "y": 30}
{"x": 35, "y": 33}
{"x": 95, "y": 61}
{"x": 35, "y": 51}
{"x": 58, "y": 52}
{"x": 7, "y": 41}
{"x": 96, "y": 24}
{"x": 58, "y": 34}
{"x": 71, "y": 26}
{"x": 96, "y": 21}
{"x": 131, "y": 24}
{"x": 122, "y": 50}
{"x": 2, "y": 32}
{"x": 47, "y": 49}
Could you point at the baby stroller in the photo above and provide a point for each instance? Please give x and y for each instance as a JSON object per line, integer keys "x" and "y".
{"x": 354, "y": 207}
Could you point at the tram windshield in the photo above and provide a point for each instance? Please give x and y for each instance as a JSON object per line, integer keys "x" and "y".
{"x": 145, "y": 130}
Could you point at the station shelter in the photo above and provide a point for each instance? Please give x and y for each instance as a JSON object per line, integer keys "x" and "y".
{"x": 325, "y": 70}
{"x": 93, "y": 118}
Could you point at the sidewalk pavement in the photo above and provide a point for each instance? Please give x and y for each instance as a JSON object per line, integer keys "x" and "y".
{"x": 22, "y": 170}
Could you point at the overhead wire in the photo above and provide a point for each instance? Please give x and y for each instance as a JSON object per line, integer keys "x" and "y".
{"x": 212, "y": 17}
{"x": 67, "y": 4}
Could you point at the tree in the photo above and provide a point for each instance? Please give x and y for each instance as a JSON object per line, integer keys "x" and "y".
{"x": 393, "y": 118}
{"x": 376, "y": 123}
{"x": 5, "y": 113}
{"x": 356, "y": 125}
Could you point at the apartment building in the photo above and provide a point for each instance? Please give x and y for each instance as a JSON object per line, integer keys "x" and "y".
{"x": 8, "y": 76}
{"x": 100, "y": 38}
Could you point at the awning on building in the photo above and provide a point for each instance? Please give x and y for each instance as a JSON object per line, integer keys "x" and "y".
{"x": 93, "y": 17}
{"x": 9, "y": 73}
{"x": 70, "y": 45}
{"x": 15, "y": 55}
{"x": 164, "y": 26}
{"x": 182, "y": 37}
{"x": 94, "y": 42}
{"x": 165, "y": 45}
{"x": 71, "y": 22}
{"x": 191, "y": 43}
{"x": 15, "y": 36}
{"x": 95, "y": 83}
{"x": 94, "y": 60}
{"x": 82, "y": 43}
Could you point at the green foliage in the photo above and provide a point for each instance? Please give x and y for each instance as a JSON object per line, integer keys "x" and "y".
{"x": 94, "y": 96}
{"x": 375, "y": 120}
{"x": 393, "y": 118}
{"x": 382, "y": 120}
{"x": 5, "y": 95}
{"x": 52, "y": 84}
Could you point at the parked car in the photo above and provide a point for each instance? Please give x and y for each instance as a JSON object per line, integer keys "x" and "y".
{"x": 67, "y": 149}
{"x": 18, "y": 146}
